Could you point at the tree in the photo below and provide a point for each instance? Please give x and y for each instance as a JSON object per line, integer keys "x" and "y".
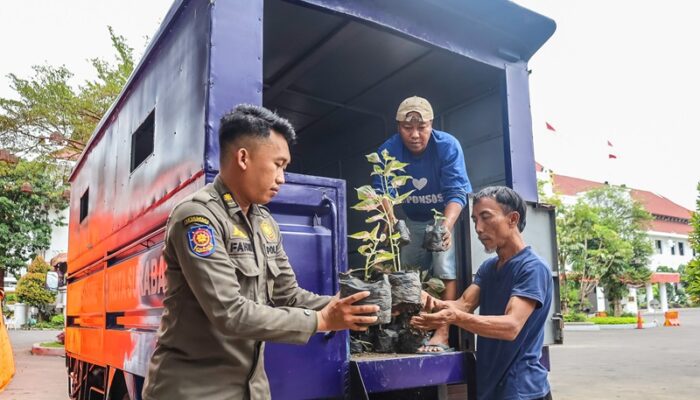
{"x": 30, "y": 191}
{"x": 31, "y": 287}
{"x": 628, "y": 218}
{"x": 50, "y": 119}
{"x": 691, "y": 276}
{"x": 602, "y": 238}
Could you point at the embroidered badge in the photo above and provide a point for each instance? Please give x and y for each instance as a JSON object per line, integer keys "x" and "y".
{"x": 201, "y": 240}
{"x": 196, "y": 219}
{"x": 238, "y": 233}
{"x": 228, "y": 197}
{"x": 268, "y": 231}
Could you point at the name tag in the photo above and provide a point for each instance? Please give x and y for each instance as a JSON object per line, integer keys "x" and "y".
{"x": 240, "y": 247}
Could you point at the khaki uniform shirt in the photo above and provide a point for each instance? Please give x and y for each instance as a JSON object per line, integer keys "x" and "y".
{"x": 230, "y": 288}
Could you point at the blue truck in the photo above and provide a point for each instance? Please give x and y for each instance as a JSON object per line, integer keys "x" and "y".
{"x": 337, "y": 70}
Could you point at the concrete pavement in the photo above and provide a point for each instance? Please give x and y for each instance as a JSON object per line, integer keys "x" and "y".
{"x": 36, "y": 377}
{"x": 656, "y": 363}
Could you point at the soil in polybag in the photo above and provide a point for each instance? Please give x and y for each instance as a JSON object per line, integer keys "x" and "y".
{"x": 410, "y": 340}
{"x": 405, "y": 291}
{"x": 432, "y": 240}
{"x": 385, "y": 341}
{"x": 404, "y": 232}
{"x": 379, "y": 288}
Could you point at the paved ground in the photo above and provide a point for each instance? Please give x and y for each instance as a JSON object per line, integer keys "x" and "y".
{"x": 657, "y": 363}
{"x": 36, "y": 377}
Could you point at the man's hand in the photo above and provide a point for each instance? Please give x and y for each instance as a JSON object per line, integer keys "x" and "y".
{"x": 430, "y": 322}
{"x": 341, "y": 314}
{"x": 430, "y": 303}
{"x": 447, "y": 236}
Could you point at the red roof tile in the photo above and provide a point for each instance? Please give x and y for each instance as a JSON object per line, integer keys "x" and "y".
{"x": 652, "y": 202}
{"x": 659, "y": 205}
{"x": 570, "y": 186}
{"x": 670, "y": 227}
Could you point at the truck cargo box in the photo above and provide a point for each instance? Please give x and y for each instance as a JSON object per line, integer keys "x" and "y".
{"x": 337, "y": 70}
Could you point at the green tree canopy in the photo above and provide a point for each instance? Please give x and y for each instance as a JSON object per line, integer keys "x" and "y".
{"x": 51, "y": 119}
{"x": 48, "y": 122}
{"x": 30, "y": 191}
{"x": 31, "y": 287}
{"x": 602, "y": 237}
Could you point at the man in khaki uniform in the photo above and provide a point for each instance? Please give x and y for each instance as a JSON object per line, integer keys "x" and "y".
{"x": 230, "y": 284}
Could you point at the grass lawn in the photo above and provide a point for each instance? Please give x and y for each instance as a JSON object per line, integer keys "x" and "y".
{"x": 50, "y": 344}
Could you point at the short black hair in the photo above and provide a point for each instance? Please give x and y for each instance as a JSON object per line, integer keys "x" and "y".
{"x": 255, "y": 121}
{"x": 507, "y": 198}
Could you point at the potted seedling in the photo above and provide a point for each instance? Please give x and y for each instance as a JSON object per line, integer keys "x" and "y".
{"x": 381, "y": 246}
{"x": 432, "y": 240}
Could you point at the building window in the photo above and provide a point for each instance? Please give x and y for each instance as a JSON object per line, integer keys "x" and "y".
{"x": 142, "y": 141}
{"x": 673, "y": 249}
{"x": 84, "y": 200}
{"x": 659, "y": 249}
{"x": 681, "y": 250}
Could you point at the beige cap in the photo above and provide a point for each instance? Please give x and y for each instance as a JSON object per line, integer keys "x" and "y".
{"x": 415, "y": 104}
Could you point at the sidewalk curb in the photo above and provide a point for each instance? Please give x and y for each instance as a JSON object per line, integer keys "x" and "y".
{"x": 38, "y": 350}
{"x": 594, "y": 327}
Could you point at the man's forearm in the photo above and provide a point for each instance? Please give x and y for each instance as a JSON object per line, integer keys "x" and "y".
{"x": 452, "y": 211}
{"x": 502, "y": 327}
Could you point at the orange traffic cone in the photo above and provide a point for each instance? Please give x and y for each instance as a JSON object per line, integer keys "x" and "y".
{"x": 640, "y": 324}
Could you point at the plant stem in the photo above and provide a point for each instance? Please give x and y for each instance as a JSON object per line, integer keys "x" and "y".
{"x": 391, "y": 229}
{"x": 367, "y": 260}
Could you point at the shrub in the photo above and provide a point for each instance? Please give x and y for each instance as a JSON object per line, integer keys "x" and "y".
{"x": 575, "y": 317}
{"x": 613, "y": 320}
{"x": 58, "y": 320}
{"x": 10, "y": 298}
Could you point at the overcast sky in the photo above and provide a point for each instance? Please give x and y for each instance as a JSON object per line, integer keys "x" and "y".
{"x": 622, "y": 71}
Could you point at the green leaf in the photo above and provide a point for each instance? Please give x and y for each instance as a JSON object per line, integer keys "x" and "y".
{"x": 395, "y": 236}
{"x": 367, "y": 205}
{"x": 373, "y": 158}
{"x": 366, "y": 192}
{"x": 399, "y": 181}
{"x": 403, "y": 197}
{"x": 377, "y": 170}
{"x": 364, "y": 235}
{"x": 394, "y": 166}
{"x": 382, "y": 256}
{"x": 365, "y": 249}
{"x": 375, "y": 218}
{"x": 374, "y": 232}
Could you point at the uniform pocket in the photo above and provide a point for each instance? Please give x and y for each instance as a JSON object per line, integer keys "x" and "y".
{"x": 247, "y": 273}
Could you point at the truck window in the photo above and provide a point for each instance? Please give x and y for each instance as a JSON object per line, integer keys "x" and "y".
{"x": 84, "y": 200}
{"x": 142, "y": 141}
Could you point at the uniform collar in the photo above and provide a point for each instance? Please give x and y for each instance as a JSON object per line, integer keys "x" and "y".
{"x": 227, "y": 197}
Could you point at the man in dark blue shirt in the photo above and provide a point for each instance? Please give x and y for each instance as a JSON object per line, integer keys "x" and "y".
{"x": 436, "y": 164}
{"x": 514, "y": 294}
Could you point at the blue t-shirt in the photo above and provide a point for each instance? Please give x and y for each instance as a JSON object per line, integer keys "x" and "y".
{"x": 512, "y": 370}
{"x": 439, "y": 174}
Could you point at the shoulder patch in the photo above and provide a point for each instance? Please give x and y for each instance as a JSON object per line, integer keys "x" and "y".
{"x": 201, "y": 240}
{"x": 196, "y": 219}
{"x": 268, "y": 231}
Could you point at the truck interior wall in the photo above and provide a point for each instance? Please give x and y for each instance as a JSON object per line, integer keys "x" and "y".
{"x": 172, "y": 83}
{"x": 341, "y": 84}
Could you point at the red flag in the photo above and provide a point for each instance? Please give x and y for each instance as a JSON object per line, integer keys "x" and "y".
{"x": 612, "y": 156}
{"x": 550, "y": 127}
